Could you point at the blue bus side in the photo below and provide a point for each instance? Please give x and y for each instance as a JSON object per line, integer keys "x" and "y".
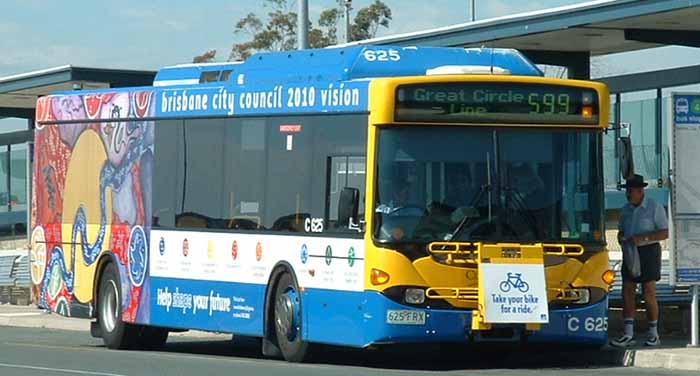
{"x": 358, "y": 319}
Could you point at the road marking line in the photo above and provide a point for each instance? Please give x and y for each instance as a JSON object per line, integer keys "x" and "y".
{"x": 58, "y": 347}
{"x": 59, "y": 370}
{"x": 21, "y": 314}
{"x": 183, "y": 355}
{"x": 151, "y": 354}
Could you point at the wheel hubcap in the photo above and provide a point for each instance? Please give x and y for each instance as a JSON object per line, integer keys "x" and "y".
{"x": 286, "y": 312}
{"x": 109, "y": 307}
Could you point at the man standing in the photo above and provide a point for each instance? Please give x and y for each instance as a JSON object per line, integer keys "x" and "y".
{"x": 642, "y": 223}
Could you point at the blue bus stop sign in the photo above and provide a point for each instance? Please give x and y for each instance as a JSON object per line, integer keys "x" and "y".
{"x": 686, "y": 109}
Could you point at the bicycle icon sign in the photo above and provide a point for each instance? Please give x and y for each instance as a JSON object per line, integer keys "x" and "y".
{"x": 514, "y": 281}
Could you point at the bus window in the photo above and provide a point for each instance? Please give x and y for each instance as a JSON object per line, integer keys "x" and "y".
{"x": 344, "y": 171}
{"x": 252, "y": 173}
{"x": 225, "y": 75}
{"x": 211, "y": 76}
{"x": 289, "y": 174}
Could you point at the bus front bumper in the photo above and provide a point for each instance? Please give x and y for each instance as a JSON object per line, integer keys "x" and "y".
{"x": 585, "y": 325}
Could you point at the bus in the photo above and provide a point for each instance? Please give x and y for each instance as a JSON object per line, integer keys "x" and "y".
{"x": 356, "y": 196}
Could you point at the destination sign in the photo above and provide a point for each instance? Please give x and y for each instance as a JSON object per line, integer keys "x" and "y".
{"x": 497, "y": 103}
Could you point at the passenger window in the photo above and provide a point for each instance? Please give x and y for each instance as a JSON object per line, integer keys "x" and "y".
{"x": 212, "y": 76}
{"x": 344, "y": 171}
{"x": 225, "y": 74}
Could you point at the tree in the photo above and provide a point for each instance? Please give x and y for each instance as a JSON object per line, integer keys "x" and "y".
{"x": 206, "y": 57}
{"x": 277, "y": 32}
{"x": 369, "y": 19}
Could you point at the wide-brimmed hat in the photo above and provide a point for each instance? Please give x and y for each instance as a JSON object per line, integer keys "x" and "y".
{"x": 637, "y": 181}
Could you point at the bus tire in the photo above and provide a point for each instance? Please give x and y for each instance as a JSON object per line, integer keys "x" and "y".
{"x": 116, "y": 334}
{"x": 287, "y": 320}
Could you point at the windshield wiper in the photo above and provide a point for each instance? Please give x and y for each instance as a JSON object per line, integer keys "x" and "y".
{"x": 484, "y": 188}
{"x": 522, "y": 209}
{"x": 463, "y": 223}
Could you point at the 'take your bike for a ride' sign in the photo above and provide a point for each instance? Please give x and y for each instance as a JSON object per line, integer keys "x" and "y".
{"x": 515, "y": 293}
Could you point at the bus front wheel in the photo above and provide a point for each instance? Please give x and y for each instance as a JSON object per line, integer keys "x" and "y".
{"x": 116, "y": 334}
{"x": 287, "y": 316}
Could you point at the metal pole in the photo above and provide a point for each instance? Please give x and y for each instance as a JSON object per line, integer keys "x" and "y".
{"x": 348, "y": 5}
{"x": 303, "y": 25}
{"x": 658, "y": 136}
{"x": 694, "y": 318}
{"x": 618, "y": 116}
{"x": 471, "y": 11}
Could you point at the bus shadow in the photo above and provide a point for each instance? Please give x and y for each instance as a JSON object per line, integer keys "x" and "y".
{"x": 425, "y": 357}
{"x": 452, "y": 357}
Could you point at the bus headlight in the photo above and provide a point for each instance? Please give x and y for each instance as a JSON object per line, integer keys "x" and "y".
{"x": 414, "y": 296}
{"x": 584, "y": 296}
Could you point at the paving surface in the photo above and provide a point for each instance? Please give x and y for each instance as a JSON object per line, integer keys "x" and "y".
{"x": 33, "y": 342}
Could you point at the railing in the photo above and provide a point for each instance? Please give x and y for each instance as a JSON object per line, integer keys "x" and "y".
{"x": 14, "y": 271}
{"x": 467, "y": 253}
{"x": 461, "y": 293}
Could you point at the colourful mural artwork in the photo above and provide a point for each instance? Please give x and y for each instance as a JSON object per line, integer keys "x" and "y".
{"x": 92, "y": 195}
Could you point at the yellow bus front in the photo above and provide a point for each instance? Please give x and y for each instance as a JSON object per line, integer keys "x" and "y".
{"x": 485, "y": 209}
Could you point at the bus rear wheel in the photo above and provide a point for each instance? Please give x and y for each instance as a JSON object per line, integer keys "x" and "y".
{"x": 287, "y": 316}
{"x": 116, "y": 334}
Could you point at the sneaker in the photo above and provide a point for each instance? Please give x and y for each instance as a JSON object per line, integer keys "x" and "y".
{"x": 624, "y": 341}
{"x": 652, "y": 341}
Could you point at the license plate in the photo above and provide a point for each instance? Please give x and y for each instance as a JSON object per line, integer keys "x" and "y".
{"x": 406, "y": 317}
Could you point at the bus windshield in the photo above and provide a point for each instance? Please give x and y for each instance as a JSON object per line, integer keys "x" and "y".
{"x": 488, "y": 184}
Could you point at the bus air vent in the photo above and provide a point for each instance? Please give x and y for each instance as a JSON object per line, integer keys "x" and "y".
{"x": 465, "y": 69}
{"x": 562, "y": 249}
{"x": 455, "y": 254}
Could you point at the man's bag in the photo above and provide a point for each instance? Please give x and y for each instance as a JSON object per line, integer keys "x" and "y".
{"x": 630, "y": 259}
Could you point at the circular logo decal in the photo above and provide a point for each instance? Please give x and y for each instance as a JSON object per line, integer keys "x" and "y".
{"x": 329, "y": 255}
{"x": 161, "y": 246}
{"x": 234, "y": 250}
{"x": 258, "y": 252}
{"x": 37, "y": 255}
{"x": 138, "y": 256}
{"x": 351, "y": 256}
{"x": 185, "y": 247}
{"x": 304, "y": 254}
{"x": 210, "y": 249}
{"x": 55, "y": 280}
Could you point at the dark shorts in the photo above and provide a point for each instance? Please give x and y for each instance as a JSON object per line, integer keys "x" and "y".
{"x": 650, "y": 262}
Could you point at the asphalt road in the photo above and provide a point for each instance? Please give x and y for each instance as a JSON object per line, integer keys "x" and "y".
{"x": 32, "y": 351}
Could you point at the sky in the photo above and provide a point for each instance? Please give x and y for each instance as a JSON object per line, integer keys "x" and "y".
{"x": 136, "y": 34}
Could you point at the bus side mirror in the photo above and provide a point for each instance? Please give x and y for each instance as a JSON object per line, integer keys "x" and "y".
{"x": 625, "y": 149}
{"x": 348, "y": 206}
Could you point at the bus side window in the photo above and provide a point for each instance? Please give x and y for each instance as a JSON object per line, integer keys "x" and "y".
{"x": 343, "y": 171}
{"x": 211, "y": 76}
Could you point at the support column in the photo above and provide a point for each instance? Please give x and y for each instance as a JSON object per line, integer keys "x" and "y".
{"x": 580, "y": 67}
{"x": 303, "y": 25}
{"x": 658, "y": 138}
{"x": 694, "y": 317}
{"x": 618, "y": 115}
